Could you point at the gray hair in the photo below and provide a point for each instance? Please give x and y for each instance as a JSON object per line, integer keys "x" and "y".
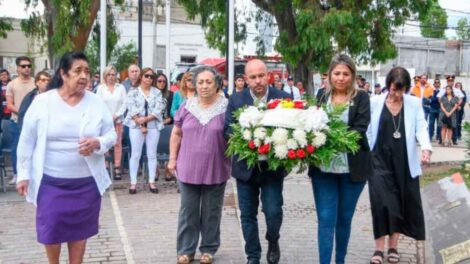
{"x": 218, "y": 78}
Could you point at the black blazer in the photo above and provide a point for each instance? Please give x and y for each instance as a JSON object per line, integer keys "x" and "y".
{"x": 360, "y": 166}
{"x": 240, "y": 169}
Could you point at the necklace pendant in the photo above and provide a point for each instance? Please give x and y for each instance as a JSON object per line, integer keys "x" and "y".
{"x": 396, "y": 135}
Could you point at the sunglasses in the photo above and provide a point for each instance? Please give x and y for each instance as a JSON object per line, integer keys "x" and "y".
{"x": 25, "y": 66}
{"x": 161, "y": 81}
{"x": 189, "y": 80}
{"x": 149, "y": 76}
{"x": 111, "y": 74}
{"x": 44, "y": 80}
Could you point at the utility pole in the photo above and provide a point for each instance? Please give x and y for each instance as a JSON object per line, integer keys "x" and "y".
{"x": 102, "y": 36}
{"x": 230, "y": 58}
{"x": 167, "y": 50}
{"x": 140, "y": 34}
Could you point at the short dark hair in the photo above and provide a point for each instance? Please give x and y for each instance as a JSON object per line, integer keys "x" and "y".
{"x": 4, "y": 70}
{"x": 400, "y": 77}
{"x": 65, "y": 64}
{"x": 22, "y": 58}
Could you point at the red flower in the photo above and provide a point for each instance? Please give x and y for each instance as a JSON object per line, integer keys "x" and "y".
{"x": 298, "y": 104}
{"x": 251, "y": 144}
{"x": 264, "y": 149}
{"x": 310, "y": 149}
{"x": 300, "y": 153}
{"x": 273, "y": 104}
{"x": 291, "y": 154}
{"x": 288, "y": 99}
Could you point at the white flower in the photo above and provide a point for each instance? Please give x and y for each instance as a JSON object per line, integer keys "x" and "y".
{"x": 315, "y": 119}
{"x": 260, "y": 133}
{"x": 280, "y": 151}
{"x": 247, "y": 134}
{"x": 257, "y": 142}
{"x": 279, "y": 136}
{"x": 301, "y": 137}
{"x": 267, "y": 140}
{"x": 319, "y": 139}
{"x": 291, "y": 143}
{"x": 250, "y": 117}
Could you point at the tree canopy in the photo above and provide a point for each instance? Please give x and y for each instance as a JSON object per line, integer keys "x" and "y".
{"x": 463, "y": 29}
{"x": 312, "y": 31}
{"x": 435, "y": 23}
{"x": 65, "y": 24}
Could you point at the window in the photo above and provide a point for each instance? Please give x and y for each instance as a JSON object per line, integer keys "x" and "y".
{"x": 188, "y": 59}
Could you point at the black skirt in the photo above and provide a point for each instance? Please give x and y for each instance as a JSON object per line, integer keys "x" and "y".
{"x": 394, "y": 195}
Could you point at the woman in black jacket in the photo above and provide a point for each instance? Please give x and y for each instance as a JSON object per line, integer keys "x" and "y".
{"x": 338, "y": 185}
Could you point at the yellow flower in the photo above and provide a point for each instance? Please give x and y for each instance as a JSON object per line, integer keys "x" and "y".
{"x": 287, "y": 104}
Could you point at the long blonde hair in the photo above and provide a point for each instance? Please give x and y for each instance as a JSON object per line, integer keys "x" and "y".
{"x": 342, "y": 59}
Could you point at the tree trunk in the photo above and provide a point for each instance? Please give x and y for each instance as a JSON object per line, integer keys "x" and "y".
{"x": 301, "y": 73}
{"x": 80, "y": 40}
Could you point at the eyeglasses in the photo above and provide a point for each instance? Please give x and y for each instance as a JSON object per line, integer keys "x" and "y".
{"x": 25, "y": 66}
{"x": 148, "y": 76}
{"x": 44, "y": 80}
{"x": 161, "y": 81}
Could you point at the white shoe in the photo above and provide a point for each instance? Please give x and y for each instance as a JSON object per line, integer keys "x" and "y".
{"x": 12, "y": 181}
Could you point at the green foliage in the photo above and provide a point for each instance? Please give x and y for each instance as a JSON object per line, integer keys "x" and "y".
{"x": 65, "y": 23}
{"x": 123, "y": 56}
{"x": 463, "y": 29}
{"x": 435, "y": 23}
{"x": 5, "y": 26}
{"x": 92, "y": 49}
{"x": 311, "y": 32}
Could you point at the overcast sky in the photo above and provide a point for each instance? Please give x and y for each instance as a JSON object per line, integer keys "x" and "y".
{"x": 456, "y": 9}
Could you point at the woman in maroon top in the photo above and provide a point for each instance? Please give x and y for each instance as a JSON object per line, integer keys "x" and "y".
{"x": 197, "y": 157}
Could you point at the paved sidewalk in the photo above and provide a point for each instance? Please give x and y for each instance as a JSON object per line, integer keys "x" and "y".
{"x": 142, "y": 228}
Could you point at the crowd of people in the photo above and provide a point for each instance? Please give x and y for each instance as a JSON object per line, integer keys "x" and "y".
{"x": 75, "y": 120}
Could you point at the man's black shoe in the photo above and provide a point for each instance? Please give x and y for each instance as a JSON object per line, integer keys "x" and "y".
{"x": 274, "y": 253}
{"x": 253, "y": 261}
{"x": 454, "y": 142}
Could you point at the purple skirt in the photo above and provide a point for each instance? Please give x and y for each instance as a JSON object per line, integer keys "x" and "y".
{"x": 67, "y": 209}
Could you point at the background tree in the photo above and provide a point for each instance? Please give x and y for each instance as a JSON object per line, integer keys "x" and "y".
{"x": 312, "y": 31}
{"x": 435, "y": 23}
{"x": 5, "y": 26}
{"x": 463, "y": 29}
{"x": 65, "y": 24}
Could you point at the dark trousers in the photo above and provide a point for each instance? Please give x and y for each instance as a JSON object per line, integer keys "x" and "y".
{"x": 335, "y": 197}
{"x": 433, "y": 122}
{"x": 14, "y": 132}
{"x": 270, "y": 188}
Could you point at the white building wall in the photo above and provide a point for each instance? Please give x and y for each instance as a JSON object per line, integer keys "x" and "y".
{"x": 185, "y": 40}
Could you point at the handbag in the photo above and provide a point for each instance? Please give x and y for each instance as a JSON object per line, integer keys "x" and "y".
{"x": 446, "y": 121}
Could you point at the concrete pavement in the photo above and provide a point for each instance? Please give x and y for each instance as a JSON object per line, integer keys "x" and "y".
{"x": 142, "y": 228}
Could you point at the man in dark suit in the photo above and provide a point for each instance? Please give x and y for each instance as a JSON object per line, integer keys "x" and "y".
{"x": 253, "y": 181}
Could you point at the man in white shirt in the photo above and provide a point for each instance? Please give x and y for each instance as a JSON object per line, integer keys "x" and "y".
{"x": 291, "y": 89}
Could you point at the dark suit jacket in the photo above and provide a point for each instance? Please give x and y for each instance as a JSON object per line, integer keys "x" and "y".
{"x": 240, "y": 169}
{"x": 360, "y": 166}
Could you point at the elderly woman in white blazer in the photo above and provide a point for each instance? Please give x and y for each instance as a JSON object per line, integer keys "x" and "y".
{"x": 61, "y": 166}
{"x": 397, "y": 122}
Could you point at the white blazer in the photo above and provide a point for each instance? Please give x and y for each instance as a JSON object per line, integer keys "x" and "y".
{"x": 416, "y": 128}
{"x": 96, "y": 122}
